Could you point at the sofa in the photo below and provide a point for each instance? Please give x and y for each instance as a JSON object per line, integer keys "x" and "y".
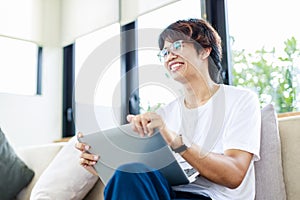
{"x": 39, "y": 157}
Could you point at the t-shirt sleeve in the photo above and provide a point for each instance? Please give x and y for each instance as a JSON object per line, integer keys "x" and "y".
{"x": 244, "y": 125}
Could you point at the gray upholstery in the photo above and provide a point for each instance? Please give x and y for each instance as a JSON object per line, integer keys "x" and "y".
{"x": 269, "y": 173}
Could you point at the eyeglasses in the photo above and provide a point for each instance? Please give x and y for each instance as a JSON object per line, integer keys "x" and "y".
{"x": 175, "y": 47}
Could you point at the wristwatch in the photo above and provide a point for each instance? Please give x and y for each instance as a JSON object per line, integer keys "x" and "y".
{"x": 180, "y": 149}
{"x": 185, "y": 145}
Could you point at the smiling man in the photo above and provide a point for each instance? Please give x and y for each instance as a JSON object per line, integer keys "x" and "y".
{"x": 215, "y": 128}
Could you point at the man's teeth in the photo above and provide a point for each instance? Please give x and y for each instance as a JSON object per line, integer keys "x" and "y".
{"x": 175, "y": 66}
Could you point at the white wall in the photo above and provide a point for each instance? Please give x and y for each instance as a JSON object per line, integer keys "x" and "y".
{"x": 21, "y": 19}
{"x": 31, "y": 120}
{"x": 131, "y": 9}
{"x": 80, "y": 17}
{"x": 28, "y": 120}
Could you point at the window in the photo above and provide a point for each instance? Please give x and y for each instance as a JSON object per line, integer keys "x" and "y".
{"x": 101, "y": 49}
{"x": 156, "y": 88}
{"x": 265, "y": 50}
{"x": 19, "y": 67}
{"x": 110, "y": 76}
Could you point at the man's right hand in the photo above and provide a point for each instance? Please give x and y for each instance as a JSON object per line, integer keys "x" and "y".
{"x": 87, "y": 160}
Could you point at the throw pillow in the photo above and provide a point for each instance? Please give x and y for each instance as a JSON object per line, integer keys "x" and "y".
{"x": 64, "y": 178}
{"x": 14, "y": 173}
{"x": 268, "y": 170}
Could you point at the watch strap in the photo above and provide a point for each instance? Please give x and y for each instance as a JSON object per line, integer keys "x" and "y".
{"x": 180, "y": 149}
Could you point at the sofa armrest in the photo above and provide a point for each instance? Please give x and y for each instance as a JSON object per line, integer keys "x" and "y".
{"x": 37, "y": 158}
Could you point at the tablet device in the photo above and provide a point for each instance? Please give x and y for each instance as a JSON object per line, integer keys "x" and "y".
{"x": 121, "y": 145}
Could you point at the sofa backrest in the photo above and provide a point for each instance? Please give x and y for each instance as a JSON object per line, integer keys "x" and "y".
{"x": 268, "y": 170}
{"x": 289, "y": 129}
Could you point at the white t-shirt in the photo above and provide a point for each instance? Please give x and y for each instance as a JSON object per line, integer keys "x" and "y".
{"x": 229, "y": 120}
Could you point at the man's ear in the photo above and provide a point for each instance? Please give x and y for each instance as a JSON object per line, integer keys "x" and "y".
{"x": 205, "y": 53}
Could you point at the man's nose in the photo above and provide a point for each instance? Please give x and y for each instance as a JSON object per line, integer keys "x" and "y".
{"x": 171, "y": 56}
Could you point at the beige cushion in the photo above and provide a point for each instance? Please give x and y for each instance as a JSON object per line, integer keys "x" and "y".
{"x": 289, "y": 128}
{"x": 268, "y": 170}
{"x": 37, "y": 158}
{"x": 64, "y": 178}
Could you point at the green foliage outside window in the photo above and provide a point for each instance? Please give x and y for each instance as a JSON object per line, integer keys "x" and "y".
{"x": 151, "y": 108}
{"x": 274, "y": 77}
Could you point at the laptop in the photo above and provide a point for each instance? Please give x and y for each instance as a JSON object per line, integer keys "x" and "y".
{"x": 121, "y": 145}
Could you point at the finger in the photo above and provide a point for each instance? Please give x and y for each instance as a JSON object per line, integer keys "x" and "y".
{"x": 81, "y": 146}
{"x": 79, "y": 135}
{"x": 140, "y": 130}
{"x": 136, "y": 122}
{"x": 150, "y": 129}
{"x": 145, "y": 120}
{"x": 91, "y": 157}
{"x": 155, "y": 125}
{"x": 85, "y": 162}
{"x": 133, "y": 127}
{"x": 129, "y": 118}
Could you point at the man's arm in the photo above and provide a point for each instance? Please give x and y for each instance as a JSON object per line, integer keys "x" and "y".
{"x": 228, "y": 169}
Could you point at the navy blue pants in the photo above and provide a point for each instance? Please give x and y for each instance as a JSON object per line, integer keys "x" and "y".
{"x": 137, "y": 181}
